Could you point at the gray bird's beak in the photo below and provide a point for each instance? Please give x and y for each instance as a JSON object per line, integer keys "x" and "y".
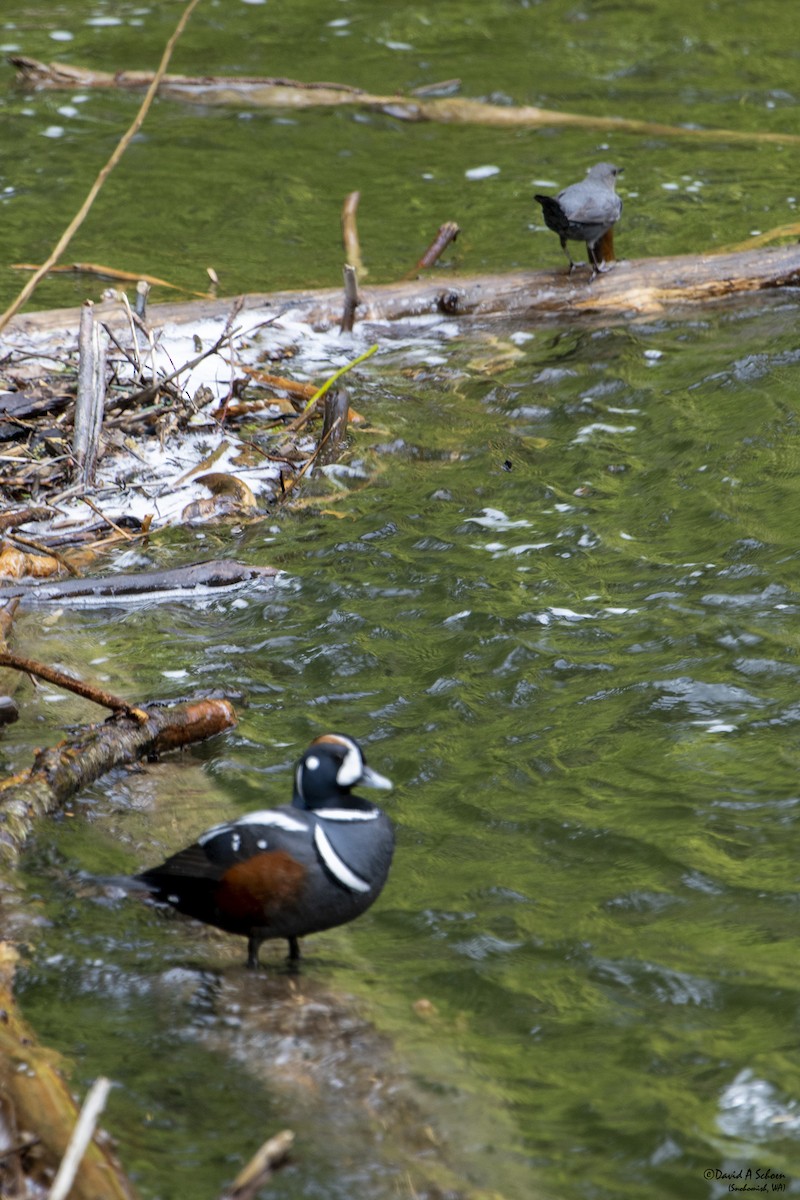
{"x": 370, "y": 778}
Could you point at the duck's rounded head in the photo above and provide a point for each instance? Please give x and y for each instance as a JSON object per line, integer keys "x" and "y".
{"x": 329, "y": 770}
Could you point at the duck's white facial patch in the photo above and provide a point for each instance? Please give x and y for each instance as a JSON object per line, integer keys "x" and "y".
{"x": 352, "y": 767}
{"x": 337, "y": 867}
{"x": 312, "y": 762}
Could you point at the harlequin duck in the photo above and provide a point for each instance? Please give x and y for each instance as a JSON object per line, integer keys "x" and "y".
{"x": 285, "y": 872}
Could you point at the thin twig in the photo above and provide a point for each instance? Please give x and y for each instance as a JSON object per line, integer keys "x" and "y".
{"x": 84, "y": 268}
{"x": 133, "y": 354}
{"x": 129, "y": 537}
{"x": 446, "y": 234}
{"x": 82, "y": 1134}
{"x": 120, "y": 149}
{"x": 87, "y": 690}
{"x": 154, "y": 388}
{"x": 307, "y": 465}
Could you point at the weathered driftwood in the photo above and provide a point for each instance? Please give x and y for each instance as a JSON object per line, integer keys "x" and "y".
{"x": 93, "y": 353}
{"x": 60, "y": 772}
{"x": 222, "y": 573}
{"x": 251, "y": 1179}
{"x": 290, "y": 93}
{"x": 38, "y": 1099}
{"x": 647, "y": 286}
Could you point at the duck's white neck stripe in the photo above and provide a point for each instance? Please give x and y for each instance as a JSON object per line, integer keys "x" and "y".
{"x": 337, "y": 867}
{"x": 274, "y": 816}
{"x": 346, "y": 814}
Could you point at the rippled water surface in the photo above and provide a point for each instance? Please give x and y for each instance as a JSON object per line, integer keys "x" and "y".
{"x": 561, "y": 611}
{"x": 563, "y": 619}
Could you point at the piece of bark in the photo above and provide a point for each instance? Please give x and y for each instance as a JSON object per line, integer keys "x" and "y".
{"x": 21, "y": 516}
{"x": 58, "y": 773}
{"x": 222, "y": 573}
{"x": 648, "y": 286}
{"x": 34, "y": 401}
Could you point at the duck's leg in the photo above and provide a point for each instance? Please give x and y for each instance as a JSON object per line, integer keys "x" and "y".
{"x": 253, "y": 947}
{"x": 294, "y": 950}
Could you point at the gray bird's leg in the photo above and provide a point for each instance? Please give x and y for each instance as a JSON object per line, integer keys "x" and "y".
{"x": 570, "y": 259}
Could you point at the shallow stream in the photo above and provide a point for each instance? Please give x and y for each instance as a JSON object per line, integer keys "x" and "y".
{"x": 560, "y": 610}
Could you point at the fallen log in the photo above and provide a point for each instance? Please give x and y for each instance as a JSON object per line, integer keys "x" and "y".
{"x": 645, "y": 286}
{"x": 220, "y": 574}
{"x": 242, "y": 91}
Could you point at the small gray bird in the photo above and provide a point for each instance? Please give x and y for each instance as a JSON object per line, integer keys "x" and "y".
{"x": 584, "y": 212}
